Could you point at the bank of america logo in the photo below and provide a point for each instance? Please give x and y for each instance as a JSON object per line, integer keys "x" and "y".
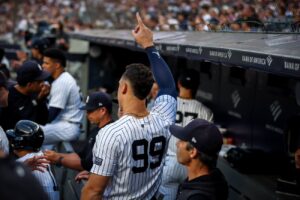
{"x": 276, "y": 110}
{"x": 236, "y": 98}
{"x": 269, "y": 60}
{"x": 229, "y": 54}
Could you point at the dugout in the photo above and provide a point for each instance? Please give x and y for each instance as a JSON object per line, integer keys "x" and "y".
{"x": 249, "y": 80}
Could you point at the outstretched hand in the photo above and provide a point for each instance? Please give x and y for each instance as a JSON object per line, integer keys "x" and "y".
{"x": 142, "y": 34}
{"x": 37, "y": 163}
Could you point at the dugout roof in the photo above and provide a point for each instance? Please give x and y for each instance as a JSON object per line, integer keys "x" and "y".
{"x": 273, "y": 53}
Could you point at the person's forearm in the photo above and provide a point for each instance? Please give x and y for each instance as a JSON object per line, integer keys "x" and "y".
{"x": 88, "y": 194}
{"x": 70, "y": 160}
{"x": 161, "y": 73}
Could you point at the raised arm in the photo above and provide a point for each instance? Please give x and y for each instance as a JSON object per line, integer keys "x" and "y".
{"x": 160, "y": 69}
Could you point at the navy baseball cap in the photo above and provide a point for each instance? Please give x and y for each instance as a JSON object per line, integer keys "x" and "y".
{"x": 189, "y": 79}
{"x": 41, "y": 44}
{"x": 96, "y": 100}
{"x": 31, "y": 71}
{"x": 203, "y": 135}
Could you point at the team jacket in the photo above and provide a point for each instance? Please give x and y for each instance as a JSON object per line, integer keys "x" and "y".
{"x": 207, "y": 187}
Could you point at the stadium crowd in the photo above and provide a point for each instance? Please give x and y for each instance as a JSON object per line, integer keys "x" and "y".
{"x": 183, "y": 15}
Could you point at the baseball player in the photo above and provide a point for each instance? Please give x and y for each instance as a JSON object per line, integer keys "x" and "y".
{"x": 98, "y": 108}
{"x": 26, "y": 140}
{"x": 64, "y": 100}
{"x": 16, "y": 181}
{"x": 188, "y": 108}
{"x": 128, "y": 154}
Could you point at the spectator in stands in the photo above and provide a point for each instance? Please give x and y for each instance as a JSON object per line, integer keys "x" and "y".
{"x": 197, "y": 149}
{"x": 38, "y": 47}
{"x": 64, "y": 101}
{"x": 27, "y": 99}
{"x": 62, "y": 39}
{"x": 188, "y": 108}
{"x": 98, "y": 109}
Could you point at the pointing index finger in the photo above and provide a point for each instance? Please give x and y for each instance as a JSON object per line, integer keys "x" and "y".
{"x": 139, "y": 19}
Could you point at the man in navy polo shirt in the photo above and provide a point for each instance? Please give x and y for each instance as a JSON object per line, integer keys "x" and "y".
{"x": 27, "y": 99}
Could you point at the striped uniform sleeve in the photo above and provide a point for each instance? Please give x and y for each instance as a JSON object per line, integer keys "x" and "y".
{"x": 59, "y": 95}
{"x": 105, "y": 153}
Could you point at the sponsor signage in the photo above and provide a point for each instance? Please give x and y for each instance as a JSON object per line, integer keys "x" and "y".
{"x": 267, "y": 62}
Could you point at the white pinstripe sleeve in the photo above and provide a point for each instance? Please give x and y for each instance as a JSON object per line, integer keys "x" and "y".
{"x": 105, "y": 153}
{"x": 59, "y": 95}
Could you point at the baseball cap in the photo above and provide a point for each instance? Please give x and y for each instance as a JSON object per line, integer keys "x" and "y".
{"x": 203, "y": 135}
{"x": 189, "y": 79}
{"x": 41, "y": 44}
{"x": 96, "y": 100}
{"x": 31, "y": 71}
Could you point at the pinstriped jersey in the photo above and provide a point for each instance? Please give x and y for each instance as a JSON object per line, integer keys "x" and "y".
{"x": 65, "y": 94}
{"x": 46, "y": 178}
{"x": 187, "y": 110}
{"x": 132, "y": 150}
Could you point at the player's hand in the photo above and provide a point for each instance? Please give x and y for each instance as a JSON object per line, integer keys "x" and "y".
{"x": 51, "y": 156}
{"x": 45, "y": 90}
{"x": 297, "y": 158}
{"x": 142, "y": 34}
{"x": 83, "y": 175}
{"x": 37, "y": 163}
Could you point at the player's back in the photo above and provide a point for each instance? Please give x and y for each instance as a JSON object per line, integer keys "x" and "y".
{"x": 189, "y": 109}
{"x": 137, "y": 148}
{"x": 46, "y": 178}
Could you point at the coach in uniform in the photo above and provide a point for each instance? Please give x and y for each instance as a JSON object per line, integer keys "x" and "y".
{"x": 128, "y": 154}
{"x": 188, "y": 108}
{"x": 197, "y": 149}
{"x": 64, "y": 100}
{"x": 98, "y": 107}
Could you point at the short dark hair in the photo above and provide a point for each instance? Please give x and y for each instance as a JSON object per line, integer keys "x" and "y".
{"x": 209, "y": 161}
{"x": 57, "y": 55}
{"x": 140, "y": 78}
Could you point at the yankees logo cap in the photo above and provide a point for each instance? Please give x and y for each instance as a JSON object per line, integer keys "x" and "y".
{"x": 96, "y": 100}
{"x": 31, "y": 71}
{"x": 203, "y": 135}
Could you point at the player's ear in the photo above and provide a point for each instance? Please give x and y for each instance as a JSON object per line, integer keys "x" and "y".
{"x": 193, "y": 153}
{"x": 124, "y": 88}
